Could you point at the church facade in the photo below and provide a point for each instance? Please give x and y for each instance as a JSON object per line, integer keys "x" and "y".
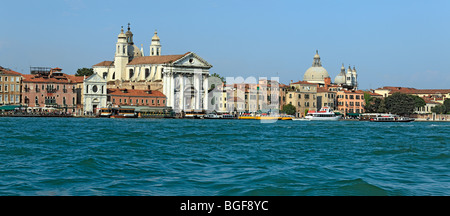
{"x": 182, "y": 78}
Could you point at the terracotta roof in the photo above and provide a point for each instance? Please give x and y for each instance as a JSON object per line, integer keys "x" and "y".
{"x": 65, "y": 78}
{"x": 135, "y": 92}
{"x": 407, "y": 90}
{"x": 156, "y": 59}
{"x": 304, "y": 82}
{"x": 9, "y": 72}
{"x": 104, "y": 64}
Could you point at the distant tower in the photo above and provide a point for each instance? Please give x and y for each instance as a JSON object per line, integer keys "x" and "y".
{"x": 121, "y": 57}
{"x": 348, "y": 76}
{"x": 155, "y": 46}
{"x": 354, "y": 77}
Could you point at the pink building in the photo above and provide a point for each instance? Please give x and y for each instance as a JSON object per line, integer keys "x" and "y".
{"x": 51, "y": 89}
{"x": 350, "y": 102}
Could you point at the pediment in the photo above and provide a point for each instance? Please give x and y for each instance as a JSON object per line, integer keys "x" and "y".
{"x": 95, "y": 78}
{"x": 192, "y": 60}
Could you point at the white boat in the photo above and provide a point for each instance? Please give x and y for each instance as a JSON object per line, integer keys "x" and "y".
{"x": 390, "y": 118}
{"x": 324, "y": 114}
{"x": 300, "y": 119}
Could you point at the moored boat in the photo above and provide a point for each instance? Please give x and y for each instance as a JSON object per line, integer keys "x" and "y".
{"x": 123, "y": 113}
{"x": 390, "y": 118}
{"x": 324, "y": 114}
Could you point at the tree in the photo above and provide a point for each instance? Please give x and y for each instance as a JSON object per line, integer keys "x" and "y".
{"x": 218, "y": 76}
{"x": 439, "y": 109}
{"x": 420, "y": 102}
{"x": 401, "y": 104}
{"x": 289, "y": 109}
{"x": 84, "y": 72}
{"x": 447, "y": 105}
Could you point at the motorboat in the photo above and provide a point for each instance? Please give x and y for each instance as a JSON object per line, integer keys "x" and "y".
{"x": 324, "y": 114}
{"x": 390, "y": 118}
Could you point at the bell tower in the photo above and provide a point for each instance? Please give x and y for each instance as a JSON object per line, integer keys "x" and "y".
{"x": 155, "y": 46}
{"x": 121, "y": 57}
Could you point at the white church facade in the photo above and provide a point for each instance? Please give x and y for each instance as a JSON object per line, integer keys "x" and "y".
{"x": 183, "y": 78}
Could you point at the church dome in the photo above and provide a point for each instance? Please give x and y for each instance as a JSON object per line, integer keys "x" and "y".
{"x": 316, "y": 73}
{"x": 155, "y": 37}
{"x": 340, "y": 78}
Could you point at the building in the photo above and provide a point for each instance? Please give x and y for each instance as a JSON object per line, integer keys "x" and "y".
{"x": 182, "y": 78}
{"x": 350, "y": 103}
{"x": 10, "y": 87}
{"x": 94, "y": 94}
{"x": 50, "y": 89}
{"x": 316, "y": 73}
{"x": 303, "y": 96}
{"x": 348, "y": 80}
{"x": 134, "y": 97}
{"x": 326, "y": 98}
{"x": 437, "y": 95}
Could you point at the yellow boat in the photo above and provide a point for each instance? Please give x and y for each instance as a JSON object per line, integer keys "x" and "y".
{"x": 246, "y": 117}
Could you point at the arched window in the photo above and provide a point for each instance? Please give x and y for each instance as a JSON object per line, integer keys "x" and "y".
{"x": 131, "y": 73}
{"x": 114, "y": 76}
{"x": 147, "y": 72}
{"x": 36, "y": 100}
{"x": 73, "y": 101}
{"x": 105, "y": 74}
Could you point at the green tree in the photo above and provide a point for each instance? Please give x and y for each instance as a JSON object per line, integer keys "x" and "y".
{"x": 439, "y": 109}
{"x": 289, "y": 109}
{"x": 447, "y": 105}
{"x": 218, "y": 76}
{"x": 401, "y": 104}
{"x": 84, "y": 72}
{"x": 420, "y": 102}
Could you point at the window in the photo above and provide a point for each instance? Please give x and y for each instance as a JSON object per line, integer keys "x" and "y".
{"x": 73, "y": 101}
{"x": 6, "y": 98}
{"x": 6, "y": 88}
{"x": 307, "y": 96}
{"x": 17, "y": 79}
{"x": 131, "y": 73}
{"x": 36, "y": 100}
{"x": 120, "y": 100}
{"x": 1, "y": 99}
{"x": 299, "y": 96}
{"x": 351, "y": 97}
{"x": 105, "y": 75}
{"x": 64, "y": 100}
{"x": 1, "y": 87}
{"x": 290, "y": 95}
{"x": 147, "y": 72}
{"x": 125, "y": 100}
{"x": 6, "y": 79}
{"x": 357, "y": 97}
{"x": 153, "y": 101}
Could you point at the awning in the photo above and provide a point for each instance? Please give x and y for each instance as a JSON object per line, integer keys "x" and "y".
{"x": 353, "y": 114}
{"x": 9, "y": 107}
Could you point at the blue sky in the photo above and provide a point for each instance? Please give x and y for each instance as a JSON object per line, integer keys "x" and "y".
{"x": 391, "y": 43}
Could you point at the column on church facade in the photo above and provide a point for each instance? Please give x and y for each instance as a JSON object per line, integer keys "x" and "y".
{"x": 206, "y": 98}
{"x": 181, "y": 79}
{"x": 172, "y": 90}
{"x": 165, "y": 84}
{"x": 198, "y": 87}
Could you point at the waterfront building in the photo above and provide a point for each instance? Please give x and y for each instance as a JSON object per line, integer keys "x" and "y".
{"x": 436, "y": 95}
{"x": 303, "y": 96}
{"x": 50, "y": 89}
{"x": 326, "y": 98}
{"x": 10, "y": 87}
{"x": 350, "y": 103}
{"x": 94, "y": 94}
{"x": 134, "y": 97}
{"x": 181, "y": 78}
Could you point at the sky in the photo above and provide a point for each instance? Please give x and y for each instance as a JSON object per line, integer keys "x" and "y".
{"x": 391, "y": 43}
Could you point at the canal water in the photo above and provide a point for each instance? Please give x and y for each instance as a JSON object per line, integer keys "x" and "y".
{"x": 159, "y": 157}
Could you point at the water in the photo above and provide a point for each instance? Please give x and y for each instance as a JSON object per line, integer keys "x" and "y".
{"x": 159, "y": 157}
